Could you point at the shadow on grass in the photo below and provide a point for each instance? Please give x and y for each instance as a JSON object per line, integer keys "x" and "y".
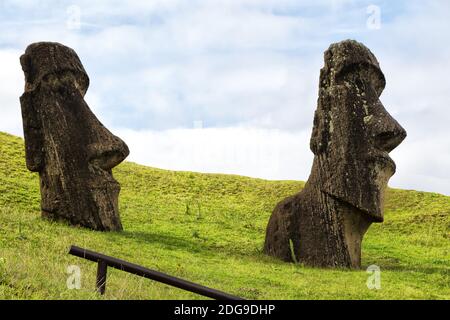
{"x": 208, "y": 249}
{"x": 412, "y": 268}
{"x": 165, "y": 240}
{"x": 194, "y": 245}
{"x": 199, "y": 246}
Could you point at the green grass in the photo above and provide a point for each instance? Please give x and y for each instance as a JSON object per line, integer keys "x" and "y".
{"x": 209, "y": 228}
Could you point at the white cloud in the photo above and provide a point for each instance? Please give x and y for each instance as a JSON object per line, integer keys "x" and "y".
{"x": 264, "y": 153}
{"x": 270, "y": 154}
{"x": 422, "y": 164}
{"x": 11, "y": 88}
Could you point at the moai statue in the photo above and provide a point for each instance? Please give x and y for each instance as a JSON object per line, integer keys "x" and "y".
{"x": 64, "y": 141}
{"x": 324, "y": 224}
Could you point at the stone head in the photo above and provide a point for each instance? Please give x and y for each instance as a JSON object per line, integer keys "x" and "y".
{"x": 353, "y": 132}
{"x": 65, "y": 142}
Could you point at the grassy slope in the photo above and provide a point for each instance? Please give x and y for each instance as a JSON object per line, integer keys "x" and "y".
{"x": 209, "y": 228}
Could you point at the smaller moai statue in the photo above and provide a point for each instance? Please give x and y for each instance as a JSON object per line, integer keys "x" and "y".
{"x": 65, "y": 142}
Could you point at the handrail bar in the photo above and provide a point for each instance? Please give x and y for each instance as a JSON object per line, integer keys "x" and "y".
{"x": 104, "y": 261}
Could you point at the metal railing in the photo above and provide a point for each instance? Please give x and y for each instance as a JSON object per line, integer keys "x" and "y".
{"x": 105, "y": 261}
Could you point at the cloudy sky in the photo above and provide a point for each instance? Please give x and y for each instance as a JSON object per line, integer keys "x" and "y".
{"x": 231, "y": 86}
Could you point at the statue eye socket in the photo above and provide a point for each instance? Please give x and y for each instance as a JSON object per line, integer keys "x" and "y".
{"x": 364, "y": 76}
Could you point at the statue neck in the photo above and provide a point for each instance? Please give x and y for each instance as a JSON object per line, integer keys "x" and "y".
{"x": 334, "y": 216}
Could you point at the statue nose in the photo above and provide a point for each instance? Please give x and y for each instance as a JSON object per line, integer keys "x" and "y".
{"x": 108, "y": 154}
{"x": 389, "y": 133}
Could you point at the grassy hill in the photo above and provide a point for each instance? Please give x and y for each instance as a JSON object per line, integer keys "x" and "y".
{"x": 209, "y": 228}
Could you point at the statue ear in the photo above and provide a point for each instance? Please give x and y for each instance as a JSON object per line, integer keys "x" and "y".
{"x": 321, "y": 131}
{"x": 34, "y": 143}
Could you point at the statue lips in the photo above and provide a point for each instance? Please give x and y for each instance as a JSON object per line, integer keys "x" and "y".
{"x": 383, "y": 158}
{"x": 101, "y": 161}
{"x": 385, "y": 143}
{"x": 104, "y": 180}
{"x": 109, "y": 188}
{"x": 106, "y": 155}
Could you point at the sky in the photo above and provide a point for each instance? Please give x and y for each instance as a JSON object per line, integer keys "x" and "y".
{"x": 231, "y": 86}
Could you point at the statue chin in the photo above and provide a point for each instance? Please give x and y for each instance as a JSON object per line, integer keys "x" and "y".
{"x": 366, "y": 195}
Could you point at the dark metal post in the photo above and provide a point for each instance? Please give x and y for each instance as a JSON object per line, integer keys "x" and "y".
{"x": 101, "y": 276}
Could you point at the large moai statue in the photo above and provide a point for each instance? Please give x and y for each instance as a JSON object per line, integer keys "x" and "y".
{"x": 324, "y": 224}
{"x": 64, "y": 141}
